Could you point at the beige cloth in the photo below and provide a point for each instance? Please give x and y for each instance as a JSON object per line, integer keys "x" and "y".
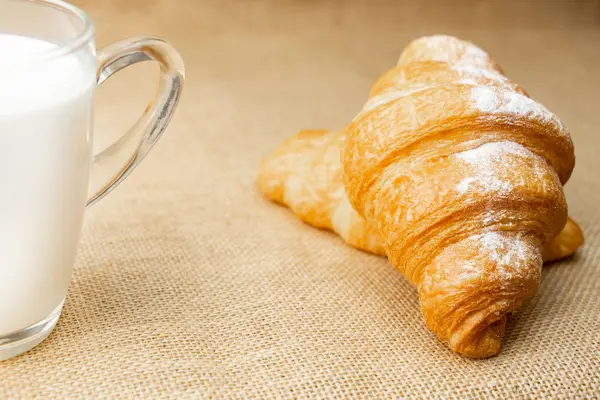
{"x": 189, "y": 284}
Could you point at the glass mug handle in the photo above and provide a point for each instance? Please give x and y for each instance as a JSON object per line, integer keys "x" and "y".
{"x": 111, "y": 166}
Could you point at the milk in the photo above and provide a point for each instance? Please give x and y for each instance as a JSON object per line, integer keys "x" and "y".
{"x": 45, "y": 155}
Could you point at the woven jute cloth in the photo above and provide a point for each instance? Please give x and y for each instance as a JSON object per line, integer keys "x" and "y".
{"x": 188, "y": 284}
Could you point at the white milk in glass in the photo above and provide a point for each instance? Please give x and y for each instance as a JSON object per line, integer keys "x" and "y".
{"x": 45, "y": 155}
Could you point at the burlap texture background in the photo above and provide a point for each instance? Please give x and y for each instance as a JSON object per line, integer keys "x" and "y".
{"x": 189, "y": 284}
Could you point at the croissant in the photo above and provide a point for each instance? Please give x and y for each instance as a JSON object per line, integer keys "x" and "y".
{"x": 455, "y": 174}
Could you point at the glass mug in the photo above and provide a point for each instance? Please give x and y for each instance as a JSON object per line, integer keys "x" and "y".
{"x": 48, "y": 174}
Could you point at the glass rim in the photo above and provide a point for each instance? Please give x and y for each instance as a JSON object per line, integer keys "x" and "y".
{"x": 72, "y": 44}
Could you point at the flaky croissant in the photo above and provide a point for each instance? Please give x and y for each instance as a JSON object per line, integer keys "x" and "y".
{"x": 455, "y": 174}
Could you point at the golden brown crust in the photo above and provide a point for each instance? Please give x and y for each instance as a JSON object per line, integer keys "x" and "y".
{"x": 456, "y": 176}
{"x": 469, "y": 287}
{"x": 304, "y": 173}
{"x": 463, "y": 181}
{"x": 565, "y": 244}
{"x": 307, "y": 148}
{"x": 291, "y": 156}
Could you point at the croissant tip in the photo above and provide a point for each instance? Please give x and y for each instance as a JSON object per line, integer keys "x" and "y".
{"x": 566, "y": 243}
{"x": 486, "y": 344}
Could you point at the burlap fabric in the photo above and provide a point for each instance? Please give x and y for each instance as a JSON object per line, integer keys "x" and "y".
{"x": 189, "y": 284}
